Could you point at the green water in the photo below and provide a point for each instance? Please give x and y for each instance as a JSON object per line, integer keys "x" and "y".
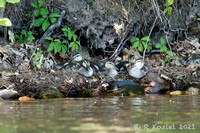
{"x": 150, "y": 113}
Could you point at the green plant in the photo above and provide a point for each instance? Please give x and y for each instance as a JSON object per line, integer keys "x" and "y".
{"x": 6, "y": 21}
{"x": 42, "y": 15}
{"x": 36, "y": 58}
{"x": 169, "y": 55}
{"x": 56, "y": 45}
{"x": 168, "y": 8}
{"x": 74, "y": 44}
{"x": 198, "y": 19}
{"x": 141, "y": 44}
{"x": 24, "y": 37}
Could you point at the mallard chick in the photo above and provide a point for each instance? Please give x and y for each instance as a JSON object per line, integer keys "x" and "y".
{"x": 121, "y": 65}
{"x": 86, "y": 70}
{"x": 77, "y": 57}
{"x": 139, "y": 69}
{"x": 97, "y": 68}
{"x": 111, "y": 69}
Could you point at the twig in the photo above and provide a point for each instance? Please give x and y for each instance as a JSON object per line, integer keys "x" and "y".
{"x": 149, "y": 37}
{"x": 52, "y": 27}
{"x": 123, "y": 42}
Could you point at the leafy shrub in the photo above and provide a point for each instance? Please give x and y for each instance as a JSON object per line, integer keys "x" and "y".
{"x": 74, "y": 43}
{"x": 169, "y": 55}
{"x": 141, "y": 44}
{"x": 6, "y": 21}
{"x": 24, "y": 37}
{"x": 42, "y": 15}
{"x": 168, "y": 8}
{"x": 56, "y": 45}
{"x": 36, "y": 58}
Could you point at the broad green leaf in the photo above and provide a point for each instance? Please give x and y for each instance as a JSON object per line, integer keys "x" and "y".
{"x": 20, "y": 39}
{"x": 45, "y": 25}
{"x": 65, "y": 29}
{"x": 51, "y": 46}
{"x": 57, "y": 48}
{"x": 149, "y": 47}
{"x": 36, "y": 13}
{"x": 145, "y": 38}
{"x": 198, "y": 19}
{"x": 53, "y": 20}
{"x": 2, "y": 3}
{"x": 77, "y": 42}
{"x": 41, "y": 3}
{"x": 44, "y": 11}
{"x": 23, "y": 32}
{"x": 30, "y": 33}
{"x": 76, "y": 47}
{"x": 144, "y": 44}
{"x": 169, "y": 2}
{"x": 33, "y": 4}
{"x": 133, "y": 39}
{"x": 74, "y": 38}
{"x": 16, "y": 36}
{"x": 73, "y": 48}
{"x": 5, "y": 22}
{"x": 57, "y": 40}
{"x": 140, "y": 47}
{"x": 161, "y": 40}
{"x": 64, "y": 49}
{"x": 65, "y": 33}
{"x": 53, "y": 15}
{"x": 38, "y": 22}
{"x": 71, "y": 44}
{"x": 169, "y": 10}
{"x": 70, "y": 34}
{"x": 30, "y": 38}
{"x": 13, "y": 1}
{"x": 136, "y": 44}
{"x": 158, "y": 45}
{"x": 64, "y": 41}
{"x": 49, "y": 38}
{"x": 166, "y": 10}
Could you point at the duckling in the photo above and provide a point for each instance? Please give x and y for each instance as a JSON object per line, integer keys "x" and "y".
{"x": 71, "y": 64}
{"x": 86, "y": 70}
{"x": 139, "y": 69}
{"x": 111, "y": 69}
{"x": 121, "y": 65}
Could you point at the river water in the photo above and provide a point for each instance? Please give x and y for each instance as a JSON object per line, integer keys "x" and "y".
{"x": 149, "y": 113}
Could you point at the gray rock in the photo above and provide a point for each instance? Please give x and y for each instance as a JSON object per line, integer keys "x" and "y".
{"x": 8, "y": 93}
{"x": 127, "y": 88}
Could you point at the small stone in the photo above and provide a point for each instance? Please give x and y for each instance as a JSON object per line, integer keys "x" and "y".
{"x": 192, "y": 91}
{"x": 8, "y": 93}
{"x": 25, "y": 98}
{"x": 177, "y": 93}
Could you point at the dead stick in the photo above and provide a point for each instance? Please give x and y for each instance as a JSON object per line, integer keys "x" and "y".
{"x": 123, "y": 42}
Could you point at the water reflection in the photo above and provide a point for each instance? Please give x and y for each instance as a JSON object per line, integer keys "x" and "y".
{"x": 116, "y": 114}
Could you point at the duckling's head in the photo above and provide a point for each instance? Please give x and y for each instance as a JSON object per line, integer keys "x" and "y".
{"x": 139, "y": 64}
{"x": 110, "y": 65}
{"x": 77, "y": 57}
{"x": 86, "y": 64}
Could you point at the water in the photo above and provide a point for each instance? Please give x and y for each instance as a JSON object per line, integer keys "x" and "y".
{"x": 150, "y": 113}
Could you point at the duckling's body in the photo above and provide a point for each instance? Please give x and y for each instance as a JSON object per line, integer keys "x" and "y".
{"x": 111, "y": 69}
{"x": 139, "y": 69}
{"x": 77, "y": 65}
